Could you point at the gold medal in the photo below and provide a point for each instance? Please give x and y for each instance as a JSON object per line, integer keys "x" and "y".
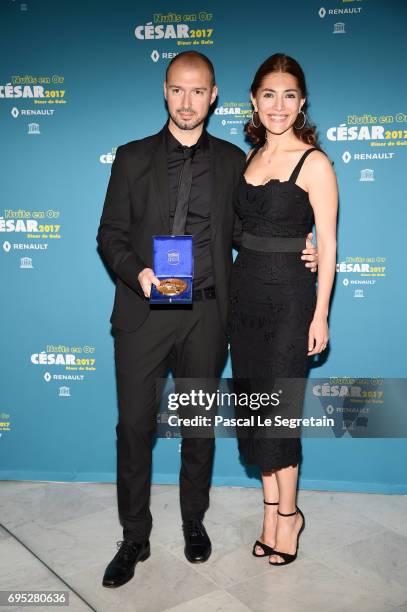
{"x": 171, "y": 286}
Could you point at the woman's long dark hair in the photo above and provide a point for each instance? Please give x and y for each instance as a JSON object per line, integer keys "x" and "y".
{"x": 279, "y": 62}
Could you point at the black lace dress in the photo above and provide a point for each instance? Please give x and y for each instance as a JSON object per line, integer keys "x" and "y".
{"x": 272, "y": 302}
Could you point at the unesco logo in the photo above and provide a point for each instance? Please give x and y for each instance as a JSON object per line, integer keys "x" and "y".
{"x": 173, "y": 257}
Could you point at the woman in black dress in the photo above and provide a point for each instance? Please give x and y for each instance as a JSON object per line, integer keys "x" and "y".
{"x": 278, "y": 318}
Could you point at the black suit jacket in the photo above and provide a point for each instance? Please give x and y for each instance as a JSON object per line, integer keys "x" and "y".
{"x": 136, "y": 207}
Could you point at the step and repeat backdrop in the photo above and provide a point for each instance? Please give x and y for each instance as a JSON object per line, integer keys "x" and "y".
{"x": 79, "y": 79}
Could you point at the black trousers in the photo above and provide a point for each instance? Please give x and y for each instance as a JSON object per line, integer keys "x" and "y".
{"x": 191, "y": 342}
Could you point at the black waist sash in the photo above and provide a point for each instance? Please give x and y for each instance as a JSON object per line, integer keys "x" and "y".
{"x": 273, "y": 244}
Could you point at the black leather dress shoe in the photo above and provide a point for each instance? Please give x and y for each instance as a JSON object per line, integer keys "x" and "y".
{"x": 197, "y": 543}
{"x": 121, "y": 568}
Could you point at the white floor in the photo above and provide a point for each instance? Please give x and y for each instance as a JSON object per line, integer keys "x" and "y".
{"x": 352, "y": 556}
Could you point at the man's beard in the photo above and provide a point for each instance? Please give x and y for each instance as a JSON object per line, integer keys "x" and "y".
{"x": 182, "y": 125}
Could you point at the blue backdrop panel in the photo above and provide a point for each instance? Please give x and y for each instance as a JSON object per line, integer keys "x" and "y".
{"x": 77, "y": 80}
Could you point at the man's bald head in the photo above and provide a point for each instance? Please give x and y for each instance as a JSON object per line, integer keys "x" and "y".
{"x": 192, "y": 59}
{"x": 189, "y": 90}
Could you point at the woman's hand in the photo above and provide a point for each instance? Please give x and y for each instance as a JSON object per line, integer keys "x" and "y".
{"x": 318, "y": 335}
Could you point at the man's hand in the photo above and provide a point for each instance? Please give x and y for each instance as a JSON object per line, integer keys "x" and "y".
{"x": 310, "y": 254}
{"x": 146, "y": 278}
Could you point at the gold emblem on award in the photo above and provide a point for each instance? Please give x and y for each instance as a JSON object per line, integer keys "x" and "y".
{"x": 171, "y": 286}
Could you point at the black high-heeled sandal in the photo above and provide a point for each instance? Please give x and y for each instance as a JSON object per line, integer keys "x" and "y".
{"x": 288, "y": 558}
{"x": 267, "y": 550}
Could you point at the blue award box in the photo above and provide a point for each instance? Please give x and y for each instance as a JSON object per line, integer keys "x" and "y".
{"x": 173, "y": 262}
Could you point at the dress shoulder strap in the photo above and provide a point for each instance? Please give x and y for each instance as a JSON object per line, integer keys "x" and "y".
{"x": 296, "y": 171}
{"x": 252, "y": 154}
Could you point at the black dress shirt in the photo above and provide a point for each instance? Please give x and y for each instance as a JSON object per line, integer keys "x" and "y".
{"x": 198, "y": 218}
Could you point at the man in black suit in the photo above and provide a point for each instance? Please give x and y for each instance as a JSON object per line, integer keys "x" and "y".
{"x": 143, "y": 199}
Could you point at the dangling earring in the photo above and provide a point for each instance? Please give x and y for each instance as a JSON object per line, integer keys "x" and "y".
{"x": 253, "y": 124}
{"x": 305, "y": 120}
